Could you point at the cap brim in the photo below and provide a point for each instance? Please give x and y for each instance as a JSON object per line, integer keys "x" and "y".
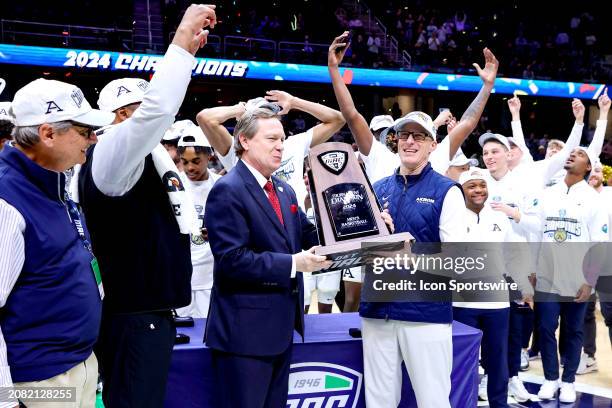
{"x": 95, "y": 118}
{"x": 486, "y": 137}
{"x": 402, "y": 122}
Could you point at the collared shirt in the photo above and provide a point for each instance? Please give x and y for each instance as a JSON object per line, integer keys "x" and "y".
{"x": 12, "y": 250}
{"x": 261, "y": 180}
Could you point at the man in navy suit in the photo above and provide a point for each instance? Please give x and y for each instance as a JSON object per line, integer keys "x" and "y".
{"x": 257, "y": 233}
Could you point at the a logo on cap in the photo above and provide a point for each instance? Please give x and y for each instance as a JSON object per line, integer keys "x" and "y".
{"x": 3, "y": 111}
{"x": 421, "y": 116}
{"x": 334, "y": 161}
{"x": 122, "y": 90}
{"x": 78, "y": 97}
{"x": 144, "y": 85}
{"x": 51, "y": 105}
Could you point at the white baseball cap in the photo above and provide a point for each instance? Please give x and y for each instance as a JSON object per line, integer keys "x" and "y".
{"x": 194, "y": 137}
{"x": 49, "y": 101}
{"x": 593, "y": 159}
{"x": 420, "y": 118}
{"x": 461, "y": 159}
{"x": 474, "y": 173}
{"x": 175, "y": 131}
{"x": 5, "y": 109}
{"x": 485, "y": 137}
{"x": 260, "y": 102}
{"x": 380, "y": 122}
{"x": 122, "y": 92}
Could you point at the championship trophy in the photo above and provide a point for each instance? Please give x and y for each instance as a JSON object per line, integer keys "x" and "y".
{"x": 346, "y": 209}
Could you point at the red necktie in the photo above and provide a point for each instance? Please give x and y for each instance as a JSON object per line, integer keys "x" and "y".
{"x": 269, "y": 188}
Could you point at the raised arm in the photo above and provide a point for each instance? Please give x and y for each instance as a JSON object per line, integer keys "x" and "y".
{"x": 211, "y": 122}
{"x": 600, "y": 130}
{"x": 514, "y": 104}
{"x": 471, "y": 116}
{"x": 556, "y": 162}
{"x": 331, "y": 120}
{"x": 356, "y": 122}
{"x": 118, "y": 159}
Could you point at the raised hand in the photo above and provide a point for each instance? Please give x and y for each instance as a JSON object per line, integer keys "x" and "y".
{"x": 191, "y": 34}
{"x": 450, "y": 124}
{"x": 284, "y": 99}
{"x": 489, "y": 72}
{"x": 337, "y": 49}
{"x": 442, "y": 118}
{"x": 514, "y": 104}
{"x": 240, "y": 110}
{"x": 578, "y": 110}
{"x": 604, "y": 102}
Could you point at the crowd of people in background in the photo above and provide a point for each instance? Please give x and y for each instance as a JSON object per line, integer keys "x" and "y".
{"x": 230, "y": 238}
{"x": 536, "y": 44}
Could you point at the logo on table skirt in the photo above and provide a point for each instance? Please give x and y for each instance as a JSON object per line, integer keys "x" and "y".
{"x": 323, "y": 385}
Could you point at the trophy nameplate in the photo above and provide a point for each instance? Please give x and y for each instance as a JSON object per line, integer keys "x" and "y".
{"x": 346, "y": 210}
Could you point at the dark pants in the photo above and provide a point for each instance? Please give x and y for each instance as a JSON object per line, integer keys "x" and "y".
{"x": 535, "y": 339}
{"x": 494, "y": 348}
{"x": 604, "y": 290}
{"x": 134, "y": 352}
{"x": 518, "y": 313}
{"x": 572, "y": 317}
{"x": 590, "y": 328}
{"x": 527, "y": 329}
{"x": 251, "y": 382}
{"x": 606, "y": 311}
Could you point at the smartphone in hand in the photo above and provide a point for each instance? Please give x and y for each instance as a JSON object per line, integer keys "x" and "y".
{"x": 347, "y": 40}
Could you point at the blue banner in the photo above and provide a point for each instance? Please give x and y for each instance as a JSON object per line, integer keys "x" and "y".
{"x": 209, "y": 67}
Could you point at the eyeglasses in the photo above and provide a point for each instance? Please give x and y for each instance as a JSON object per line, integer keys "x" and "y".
{"x": 416, "y": 136}
{"x": 84, "y": 131}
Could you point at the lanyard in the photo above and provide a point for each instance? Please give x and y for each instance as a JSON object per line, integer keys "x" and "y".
{"x": 75, "y": 218}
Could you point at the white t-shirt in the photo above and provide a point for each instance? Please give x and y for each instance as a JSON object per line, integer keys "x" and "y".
{"x": 382, "y": 162}
{"x": 201, "y": 255}
{"x": 291, "y": 170}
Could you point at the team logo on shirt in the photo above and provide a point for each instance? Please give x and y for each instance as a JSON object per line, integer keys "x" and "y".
{"x": 323, "y": 385}
{"x": 286, "y": 170}
{"x": 605, "y": 228}
{"x": 560, "y": 235}
{"x": 562, "y": 228}
{"x": 425, "y": 200}
{"x": 334, "y": 161}
{"x": 496, "y": 227}
{"x": 173, "y": 182}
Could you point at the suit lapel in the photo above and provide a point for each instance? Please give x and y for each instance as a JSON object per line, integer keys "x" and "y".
{"x": 260, "y": 197}
{"x": 288, "y": 216}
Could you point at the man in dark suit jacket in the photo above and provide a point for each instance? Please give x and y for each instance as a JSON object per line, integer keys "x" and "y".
{"x": 257, "y": 233}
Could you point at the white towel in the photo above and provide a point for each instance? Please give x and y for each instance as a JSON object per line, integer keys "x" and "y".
{"x": 180, "y": 199}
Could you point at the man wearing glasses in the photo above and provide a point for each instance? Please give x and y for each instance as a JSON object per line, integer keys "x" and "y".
{"x": 50, "y": 287}
{"x": 431, "y": 207}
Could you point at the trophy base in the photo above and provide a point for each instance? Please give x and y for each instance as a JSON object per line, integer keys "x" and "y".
{"x": 355, "y": 253}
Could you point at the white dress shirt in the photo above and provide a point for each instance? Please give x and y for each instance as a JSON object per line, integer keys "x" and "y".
{"x": 261, "y": 180}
